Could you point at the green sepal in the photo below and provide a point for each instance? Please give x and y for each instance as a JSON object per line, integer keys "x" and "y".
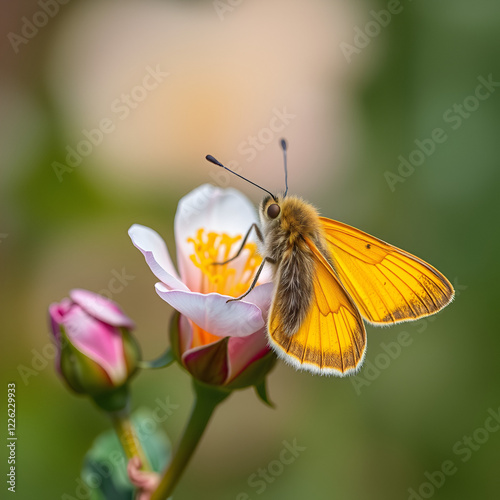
{"x": 166, "y": 359}
{"x": 255, "y": 373}
{"x": 131, "y": 351}
{"x": 114, "y": 400}
{"x": 207, "y": 392}
{"x": 174, "y": 336}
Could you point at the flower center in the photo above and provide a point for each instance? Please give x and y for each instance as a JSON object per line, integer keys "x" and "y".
{"x": 231, "y": 279}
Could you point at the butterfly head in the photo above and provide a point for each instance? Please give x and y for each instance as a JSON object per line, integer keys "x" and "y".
{"x": 270, "y": 208}
{"x": 290, "y": 214}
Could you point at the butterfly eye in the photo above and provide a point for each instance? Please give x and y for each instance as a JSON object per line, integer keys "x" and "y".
{"x": 273, "y": 211}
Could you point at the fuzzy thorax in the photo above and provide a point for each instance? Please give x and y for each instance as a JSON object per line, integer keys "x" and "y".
{"x": 285, "y": 244}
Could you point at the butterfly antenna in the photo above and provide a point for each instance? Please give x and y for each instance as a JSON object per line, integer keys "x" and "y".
{"x": 284, "y": 147}
{"x": 211, "y": 159}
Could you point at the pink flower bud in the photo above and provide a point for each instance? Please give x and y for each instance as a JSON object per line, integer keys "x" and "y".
{"x": 96, "y": 352}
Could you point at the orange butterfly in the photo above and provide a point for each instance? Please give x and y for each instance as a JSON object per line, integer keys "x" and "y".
{"x": 328, "y": 276}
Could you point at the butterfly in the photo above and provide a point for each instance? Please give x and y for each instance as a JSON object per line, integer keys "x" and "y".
{"x": 328, "y": 278}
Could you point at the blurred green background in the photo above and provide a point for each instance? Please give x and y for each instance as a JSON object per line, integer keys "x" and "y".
{"x": 359, "y": 87}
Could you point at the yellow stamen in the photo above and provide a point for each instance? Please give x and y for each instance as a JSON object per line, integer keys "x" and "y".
{"x": 231, "y": 279}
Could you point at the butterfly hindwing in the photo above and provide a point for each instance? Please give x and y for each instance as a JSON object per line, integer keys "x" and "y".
{"x": 331, "y": 339}
{"x": 388, "y": 285}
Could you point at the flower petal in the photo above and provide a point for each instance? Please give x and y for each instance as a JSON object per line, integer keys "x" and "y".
{"x": 101, "y": 308}
{"x": 214, "y": 314}
{"x": 56, "y": 313}
{"x": 213, "y": 209}
{"x": 244, "y": 351}
{"x": 97, "y": 340}
{"x": 261, "y": 296}
{"x": 208, "y": 363}
{"x": 155, "y": 251}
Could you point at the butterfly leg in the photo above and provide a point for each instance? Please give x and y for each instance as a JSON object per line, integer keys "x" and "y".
{"x": 256, "y": 278}
{"x": 259, "y": 235}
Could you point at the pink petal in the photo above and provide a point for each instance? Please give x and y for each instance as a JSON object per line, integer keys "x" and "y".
{"x": 155, "y": 251}
{"x": 214, "y": 314}
{"x": 261, "y": 296}
{"x": 185, "y": 338}
{"x": 56, "y": 313}
{"x": 97, "y": 340}
{"x": 213, "y": 209}
{"x": 208, "y": 363}
{"x": 101, "y": 308}
{"x": 244, "y": 351}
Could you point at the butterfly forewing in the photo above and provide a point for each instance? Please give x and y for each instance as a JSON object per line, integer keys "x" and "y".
{"x": 331, "y": 339}
{"x": 387, "y": 284}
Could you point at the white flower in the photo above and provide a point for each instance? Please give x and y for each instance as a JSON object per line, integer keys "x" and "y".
{"x": 209, "y": 226}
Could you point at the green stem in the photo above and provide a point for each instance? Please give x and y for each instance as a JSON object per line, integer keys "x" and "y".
{"x": 206, "y": 401}
{"x": 128, "y": 438}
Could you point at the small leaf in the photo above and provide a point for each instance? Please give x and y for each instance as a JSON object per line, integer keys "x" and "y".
{"x": 261, "y": 390}
{"x": 104, "y": 470}
{"x": 167, "y": 358}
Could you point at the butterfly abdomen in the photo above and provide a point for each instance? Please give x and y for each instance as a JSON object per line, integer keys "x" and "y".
{"x": 294, "y": 287}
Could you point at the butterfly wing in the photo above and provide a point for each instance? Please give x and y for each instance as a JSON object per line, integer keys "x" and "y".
{"x": 331, "y": 339}
{"x": 388, "y": 285}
